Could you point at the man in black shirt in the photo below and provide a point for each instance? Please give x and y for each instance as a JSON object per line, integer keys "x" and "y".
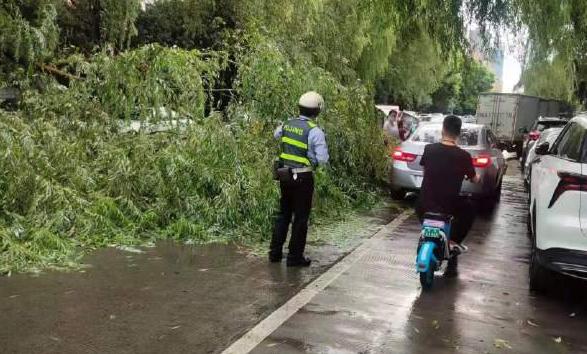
{"x": 445, "y": 167}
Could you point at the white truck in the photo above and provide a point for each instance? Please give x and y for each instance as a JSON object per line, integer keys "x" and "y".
{"x": 510, "y": 116}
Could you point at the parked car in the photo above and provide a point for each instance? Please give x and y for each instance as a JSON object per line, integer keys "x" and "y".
{"x": 407, "y": 174}
{"x": 548, "y": 135}
{"x": 533, "y": 135}
{"x": 558, "y": 217}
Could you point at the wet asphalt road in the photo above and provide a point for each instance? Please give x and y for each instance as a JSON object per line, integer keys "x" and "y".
{"x": 168, "y": 299}
{"x": 184, "y": 299}
{"x": 377, "y": 306}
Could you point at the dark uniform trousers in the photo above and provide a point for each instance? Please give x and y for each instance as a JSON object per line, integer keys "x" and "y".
{"x": 296, "y": 203}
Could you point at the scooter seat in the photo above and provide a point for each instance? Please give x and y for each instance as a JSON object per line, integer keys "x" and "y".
{"x": 438, "y": 216}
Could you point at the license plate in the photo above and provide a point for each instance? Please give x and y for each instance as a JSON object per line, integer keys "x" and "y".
{"x": 431, "y": 232}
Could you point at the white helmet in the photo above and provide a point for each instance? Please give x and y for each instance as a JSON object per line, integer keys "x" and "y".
{"x": 312, "y": 100}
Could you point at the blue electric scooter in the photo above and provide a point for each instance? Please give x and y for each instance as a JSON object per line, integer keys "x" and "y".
{"x": 433, "y": 247}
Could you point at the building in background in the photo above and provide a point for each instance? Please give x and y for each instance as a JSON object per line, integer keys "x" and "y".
{"x": 493, "y": 59}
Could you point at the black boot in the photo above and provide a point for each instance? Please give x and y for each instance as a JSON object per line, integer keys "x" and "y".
{"x": 299, "y": 262}
{"x": 275, "y": 257}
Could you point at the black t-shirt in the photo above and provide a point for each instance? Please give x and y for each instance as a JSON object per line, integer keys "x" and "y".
{"x": 445, "y": 167}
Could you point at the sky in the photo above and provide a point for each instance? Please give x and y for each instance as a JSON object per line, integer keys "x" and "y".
{"x": 511, "y": 72}
{"x": 514, "y": 50}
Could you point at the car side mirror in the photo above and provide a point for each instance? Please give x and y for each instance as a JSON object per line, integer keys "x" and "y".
{"x": 543, "y": 149}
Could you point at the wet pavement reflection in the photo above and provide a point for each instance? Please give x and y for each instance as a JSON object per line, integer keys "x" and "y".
{"x": 168, "y": 299}
{"x": 377, "y": 306}
{"x": 189, "y": 299}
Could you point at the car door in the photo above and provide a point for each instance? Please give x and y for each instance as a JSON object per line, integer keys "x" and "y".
{"x": 548, "y": 172}
{"x": 583, "y": 208}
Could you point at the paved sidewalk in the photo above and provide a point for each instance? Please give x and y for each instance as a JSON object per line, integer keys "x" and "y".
{"x": 377, "y": 306}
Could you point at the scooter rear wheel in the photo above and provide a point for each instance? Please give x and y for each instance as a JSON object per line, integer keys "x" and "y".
{"x": 427, "y": 279}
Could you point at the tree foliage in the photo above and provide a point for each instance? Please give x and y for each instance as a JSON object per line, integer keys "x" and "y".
{"x": 187, "y": 23}
{"x": 557, "y": 40}
{"x": 549, "y": 79}
{"x": 476, "y": 79}
{"x": 416, "y": 70}
{"x": 28, "y": 33}
{"x": 72, "y": 179}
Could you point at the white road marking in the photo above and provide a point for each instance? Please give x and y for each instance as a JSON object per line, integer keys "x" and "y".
{"x": 264, "y": 328}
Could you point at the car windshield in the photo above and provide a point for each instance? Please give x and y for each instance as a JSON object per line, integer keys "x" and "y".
{"x": 433, "y": 134}
{"x": 550, "y": 124}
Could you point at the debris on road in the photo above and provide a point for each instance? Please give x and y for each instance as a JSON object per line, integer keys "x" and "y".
{"x": 502, "y": 344}
{"x": 532, "y": 324}
{"x": 130, "y": 249}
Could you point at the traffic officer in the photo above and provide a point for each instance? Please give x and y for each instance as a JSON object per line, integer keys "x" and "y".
{"x": 303, "y": 147}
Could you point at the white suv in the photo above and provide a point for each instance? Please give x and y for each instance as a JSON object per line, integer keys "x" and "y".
{"x": 558, "y": 206}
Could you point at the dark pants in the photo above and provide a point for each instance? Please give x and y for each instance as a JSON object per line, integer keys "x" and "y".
{"x": 464, "y": 215}
{"x": 296, "y": 203}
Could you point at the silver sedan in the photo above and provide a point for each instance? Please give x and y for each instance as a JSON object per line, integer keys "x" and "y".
{"x": 477, "y": 140}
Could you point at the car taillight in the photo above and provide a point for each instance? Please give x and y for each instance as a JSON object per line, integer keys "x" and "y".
{"x": 534, "y": 135}
{"x": 400, "y": 155}
{"x": 481, "y": 161}
{"x": 568, "y": 182}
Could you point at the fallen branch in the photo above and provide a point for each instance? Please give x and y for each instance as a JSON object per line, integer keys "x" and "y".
{"x": 54, "y": 71}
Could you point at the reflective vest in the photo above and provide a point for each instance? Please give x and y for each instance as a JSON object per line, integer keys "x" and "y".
{"x": 294, "y": 143}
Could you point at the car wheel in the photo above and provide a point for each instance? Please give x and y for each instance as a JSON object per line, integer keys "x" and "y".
{"x": 539, "y": 276}
{"x": 398, "y": 194}
{"x": 533, "y": 222}
{"x": 529, "y": 224}
{"x": 497, "y": 196}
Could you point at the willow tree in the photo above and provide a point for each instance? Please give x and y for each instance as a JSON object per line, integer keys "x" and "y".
{"x": 557, "y": 40}
{"x": 28, "y": 32}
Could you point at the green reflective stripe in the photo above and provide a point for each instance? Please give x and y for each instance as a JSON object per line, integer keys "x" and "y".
{"x": 294, "y": 142}
{"x": 312, "y": 125}
{"x": 295, "y": 158}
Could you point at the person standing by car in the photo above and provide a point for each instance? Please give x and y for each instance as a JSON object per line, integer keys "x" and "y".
{"x": 303, "y": 146}
{"x": 445, "y": 167}
{"x": 390, "y": 126}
